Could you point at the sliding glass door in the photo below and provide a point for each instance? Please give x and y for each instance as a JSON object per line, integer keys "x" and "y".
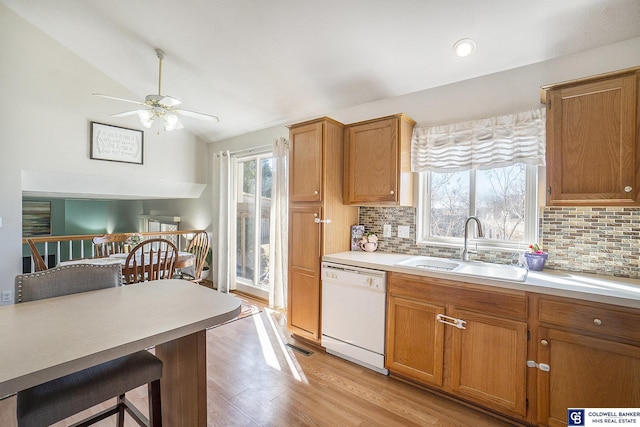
{"x": 253, "y": 211}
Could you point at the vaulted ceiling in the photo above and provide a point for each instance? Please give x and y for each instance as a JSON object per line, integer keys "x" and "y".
{"x": 261, "y": 63}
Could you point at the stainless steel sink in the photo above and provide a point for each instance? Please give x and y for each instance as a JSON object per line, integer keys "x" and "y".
{"x": 467, "y": 268}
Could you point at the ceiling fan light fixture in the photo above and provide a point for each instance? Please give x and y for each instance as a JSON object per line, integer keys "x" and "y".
{"x": 171, "y": 122}
{"x": 464, "y": 47}
{"x": 146, "y": 118}
{"x": 158, "y": 106}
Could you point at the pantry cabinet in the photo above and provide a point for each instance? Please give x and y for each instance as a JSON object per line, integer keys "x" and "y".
{"x": 306, "y": 142}
{"x": 319, "y": 223}
{"x": 593, "y": 156}
{"x": 377, "y": 168}
{"x": 588, "y": 356}
{"x": 462, "y": 339}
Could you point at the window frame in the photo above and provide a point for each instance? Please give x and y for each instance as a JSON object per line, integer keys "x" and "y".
{"x": 423, "y": 213}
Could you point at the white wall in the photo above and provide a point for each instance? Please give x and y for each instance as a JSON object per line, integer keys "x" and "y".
{"x": 46, "y": 109}
{"x": 497, "y": 94}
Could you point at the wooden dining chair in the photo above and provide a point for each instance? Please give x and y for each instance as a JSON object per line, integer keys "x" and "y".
{"x": 53, "y": 401}
{"x": 109, "y": 244}
{"x": 152, "y": 259}
{"x": 199, "y": 247}
{"x": 38, "y": 261}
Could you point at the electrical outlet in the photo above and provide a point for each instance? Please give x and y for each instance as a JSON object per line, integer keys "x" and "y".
{"x": 386, "y": 230}
{"x": 7, "y": 296}
{"x": 403, "y": 231}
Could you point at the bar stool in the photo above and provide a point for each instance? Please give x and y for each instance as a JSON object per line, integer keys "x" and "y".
{"x": 63, "y": 397}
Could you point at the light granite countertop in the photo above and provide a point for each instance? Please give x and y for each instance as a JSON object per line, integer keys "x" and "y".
{"x": 606, "y": 289}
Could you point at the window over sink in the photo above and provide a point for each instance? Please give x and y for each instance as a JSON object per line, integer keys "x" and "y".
{"x": 486, "y": 168}
{"x": 504, "y": 199}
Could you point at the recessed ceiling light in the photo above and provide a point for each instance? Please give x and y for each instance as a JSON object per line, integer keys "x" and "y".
{"x": 464, "y": 47}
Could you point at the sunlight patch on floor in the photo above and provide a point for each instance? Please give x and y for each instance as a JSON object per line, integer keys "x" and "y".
{"x": 268, "y": 352}
{"x": 294, "y": 367}
{"x": 270, "y": 349}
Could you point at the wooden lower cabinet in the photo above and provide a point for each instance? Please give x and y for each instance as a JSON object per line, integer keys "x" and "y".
{"x": 590, "y": 357}
{"x": 415, "y": 340}
{"x": 585, "y": 372}
{"x": 488, "y": 361}
{"x": 304, "y": 290}
{"x": 482, "y": 360}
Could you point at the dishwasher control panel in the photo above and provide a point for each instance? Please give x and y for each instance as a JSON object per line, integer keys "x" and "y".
{"x": 354, "y": 276}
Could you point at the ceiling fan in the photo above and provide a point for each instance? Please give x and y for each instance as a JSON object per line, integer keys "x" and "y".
{"x": 161, "y": 107}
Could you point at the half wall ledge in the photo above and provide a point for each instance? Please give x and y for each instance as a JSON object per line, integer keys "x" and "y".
{"x": 70, "y": 185}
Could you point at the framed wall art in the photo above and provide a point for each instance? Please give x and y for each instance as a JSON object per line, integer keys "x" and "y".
{"x": 36, "y": 218}
{"x": 116, "y": 144}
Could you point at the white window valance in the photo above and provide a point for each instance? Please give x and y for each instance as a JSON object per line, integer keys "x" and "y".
{"x": 480, "y": 144}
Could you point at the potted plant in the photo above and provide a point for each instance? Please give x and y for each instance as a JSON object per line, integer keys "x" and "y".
{"x": 535, "y": 257}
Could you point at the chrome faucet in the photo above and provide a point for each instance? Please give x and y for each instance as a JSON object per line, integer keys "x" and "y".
{"x": 465, "y": 251}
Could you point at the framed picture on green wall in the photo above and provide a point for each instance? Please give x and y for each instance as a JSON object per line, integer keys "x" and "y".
{"x": 36, "y": 218}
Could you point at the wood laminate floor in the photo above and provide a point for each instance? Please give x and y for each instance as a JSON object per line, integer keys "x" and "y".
{"x": 254, "y": 379}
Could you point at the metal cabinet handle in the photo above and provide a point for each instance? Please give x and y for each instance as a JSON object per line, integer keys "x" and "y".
{"x": 628, "y": 189}
{"x": 316, "y": 192}
{"x": 544, "y": 342}
{"x": 452, "y": 321}
{"x": 321, "y": 221}
{"x": 392, "y": 192}
{"x": 597, "y": 322}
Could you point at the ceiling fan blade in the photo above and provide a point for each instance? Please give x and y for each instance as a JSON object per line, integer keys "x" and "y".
{"x": 118, "y": 99}
{"x": 196, "y": 115}
{"x": 125, "y": 113}
{"x": 169, "y": 101}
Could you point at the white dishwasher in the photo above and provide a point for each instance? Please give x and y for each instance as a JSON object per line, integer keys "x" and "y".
{"x": 353, "y": 314}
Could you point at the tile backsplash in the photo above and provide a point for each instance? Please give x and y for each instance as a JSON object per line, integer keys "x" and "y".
{"x": 582, "y": 239}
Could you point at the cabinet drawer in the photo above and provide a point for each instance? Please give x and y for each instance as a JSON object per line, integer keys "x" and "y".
{"x": 600, "y": 318}
{"x": 479, "y": 298}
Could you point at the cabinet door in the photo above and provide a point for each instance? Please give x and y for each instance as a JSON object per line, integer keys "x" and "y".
{"x": 489, "y": 361}
{"x": 305, "y": 163}
{"x": 591, "y": 143}
{"x": 415, "y": 345}
{"x": 371, "y": 167}
{"x": 584, "y": 372}
{"x": 304, "y": 271}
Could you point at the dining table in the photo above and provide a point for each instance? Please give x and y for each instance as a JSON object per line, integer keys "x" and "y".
{"x": 49, "y": 338}
{"x": 186, "y": 261}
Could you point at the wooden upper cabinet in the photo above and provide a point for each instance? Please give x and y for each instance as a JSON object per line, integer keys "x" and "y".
{"x": 305, "y": 177}
{"x": 377, "y": 162}
{"x": 592, "y": 140}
